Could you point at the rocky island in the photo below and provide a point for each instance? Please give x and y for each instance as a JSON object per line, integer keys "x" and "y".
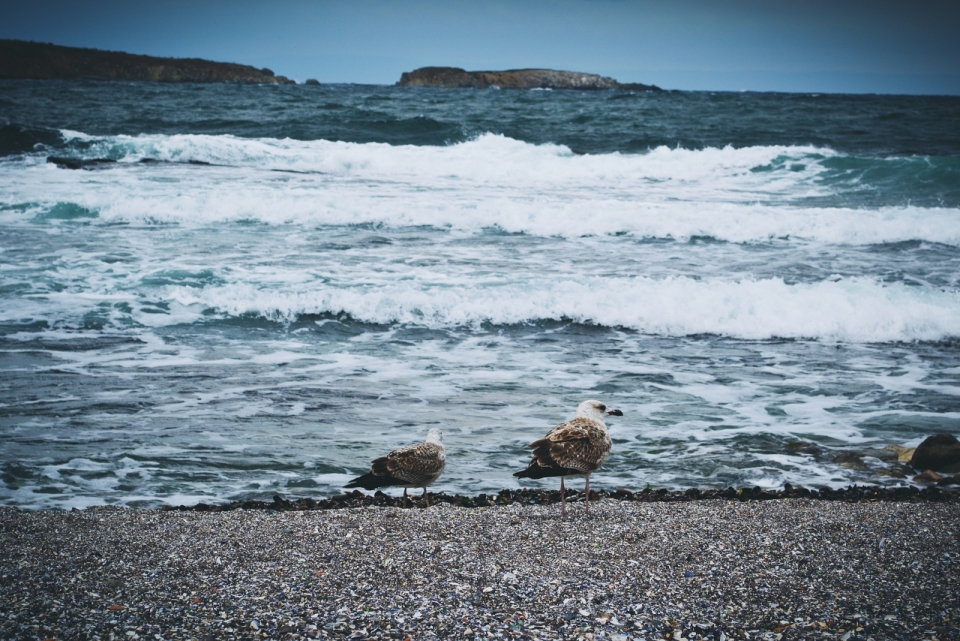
{"x": 41, "y": 61}
{"x": 452, "y": 77}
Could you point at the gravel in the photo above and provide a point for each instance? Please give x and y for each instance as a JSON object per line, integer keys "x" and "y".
{"x": 707, "y": 569}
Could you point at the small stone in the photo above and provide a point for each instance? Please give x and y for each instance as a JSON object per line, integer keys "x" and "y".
{"x": 802, "y": 447}
{"x": 904, "y": 454}
{"x": 850, "y": 460}
{"x": 927, "y": 477}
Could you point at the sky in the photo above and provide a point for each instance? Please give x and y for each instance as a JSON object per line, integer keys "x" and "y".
{"x": 847, "y": 46}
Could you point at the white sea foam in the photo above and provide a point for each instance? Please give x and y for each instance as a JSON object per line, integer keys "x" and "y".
{"x": 857, "y": 309}
{"x": 489, "y": 157}
{"x": 117, "y": 279}
{"x": 739, "y": 195}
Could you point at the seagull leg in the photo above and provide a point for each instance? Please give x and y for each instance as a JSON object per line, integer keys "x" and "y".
{"x": 426, "y": 499}
{"x": 405, "y": 502}
{"x": 586, "y": 494}
{"x": 563, "y": 500}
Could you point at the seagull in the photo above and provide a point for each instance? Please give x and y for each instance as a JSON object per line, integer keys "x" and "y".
{"x": 574, "y": 448}
{"x": 410, "y": 466}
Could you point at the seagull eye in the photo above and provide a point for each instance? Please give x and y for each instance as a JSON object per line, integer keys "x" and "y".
{"x": 601, "y": 407}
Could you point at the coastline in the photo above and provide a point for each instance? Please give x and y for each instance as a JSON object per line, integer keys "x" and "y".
{"x": 23, "y": 60}
{"x": 720, "y": 569}
{"x": 945, "y": 491}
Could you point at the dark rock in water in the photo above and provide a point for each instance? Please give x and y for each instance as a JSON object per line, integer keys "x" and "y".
{"x": 950, "y": 480}
{"x": 897, "y": 471}
{"x": 77, "y": 163}
{"x": 940, "y": 452}
{"x": 312, "y": 81}
{"x": 885, "y": 454}
{"x": 927, "y": 477}
{"x": 850, "y": 460}
{"x": 454, "y": 77}
{"x": 42, "y": 61}
{"x": 99, "y": 163}
{"x": 804, "y": 447}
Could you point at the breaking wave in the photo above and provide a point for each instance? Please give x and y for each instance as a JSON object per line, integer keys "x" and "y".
{"x": 856, "y": 310}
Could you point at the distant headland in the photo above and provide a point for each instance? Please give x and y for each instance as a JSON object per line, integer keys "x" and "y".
{"x": 453, "y": 77}
{"x": 42, "y": 61}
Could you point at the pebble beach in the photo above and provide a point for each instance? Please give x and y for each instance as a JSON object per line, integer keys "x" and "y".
{"x": 709, "y": 569}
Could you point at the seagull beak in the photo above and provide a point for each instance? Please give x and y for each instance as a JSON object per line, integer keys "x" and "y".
{"x": 614, "y": 413}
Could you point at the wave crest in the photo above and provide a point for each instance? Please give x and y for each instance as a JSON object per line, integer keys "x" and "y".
{"x": 751, "y": 194}
{"x": 855, "y": 310}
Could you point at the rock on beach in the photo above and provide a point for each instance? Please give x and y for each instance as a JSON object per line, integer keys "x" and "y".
{"x": 939, "y": 452}
{"x": 711, "y": 569}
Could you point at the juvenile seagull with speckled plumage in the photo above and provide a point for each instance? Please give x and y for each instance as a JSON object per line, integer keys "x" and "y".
{"x": 410, "y": 466}
{"x": 574, "y": 448}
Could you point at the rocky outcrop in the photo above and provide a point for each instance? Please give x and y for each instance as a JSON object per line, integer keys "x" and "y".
{"x": 21, "y": 59}
{"x": 940, "y": 452}
{"x": 452, "y": 77}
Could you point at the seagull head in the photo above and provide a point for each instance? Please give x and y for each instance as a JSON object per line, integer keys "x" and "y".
{"x": 596, "y": 410}
{"x": 435, "y": 436}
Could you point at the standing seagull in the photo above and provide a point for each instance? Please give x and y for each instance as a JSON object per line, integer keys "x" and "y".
{"x": 410, "y": 466}
{"x": 574, "y": 448}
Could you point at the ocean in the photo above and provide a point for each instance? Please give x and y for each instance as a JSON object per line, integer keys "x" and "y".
{"x": 268, "y": 286}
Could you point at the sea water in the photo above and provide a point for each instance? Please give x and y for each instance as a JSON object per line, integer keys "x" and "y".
{"x": 271, "y": 286}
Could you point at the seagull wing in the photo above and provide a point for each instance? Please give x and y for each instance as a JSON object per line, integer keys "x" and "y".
{"x": 417, "y": 465}
{"x": 581, "y": 444}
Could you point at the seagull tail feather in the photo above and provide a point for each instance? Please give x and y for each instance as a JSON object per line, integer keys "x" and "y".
{"x": 537, "y": 471}
{"x": 371, "y": 481}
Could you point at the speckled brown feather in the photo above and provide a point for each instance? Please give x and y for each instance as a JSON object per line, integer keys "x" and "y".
{"x": 416, "y": 465}
{"x": 576, "y": 447}
{"x": 410, "y": 466}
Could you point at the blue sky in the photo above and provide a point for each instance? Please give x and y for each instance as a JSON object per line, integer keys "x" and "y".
{"x": 855, "y": 46}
